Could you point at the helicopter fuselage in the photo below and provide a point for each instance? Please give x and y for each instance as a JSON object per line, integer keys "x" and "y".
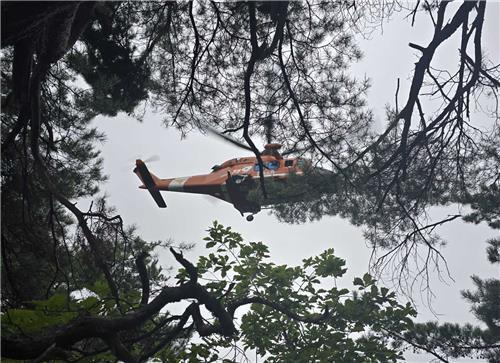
{"x": 231, "y": 181}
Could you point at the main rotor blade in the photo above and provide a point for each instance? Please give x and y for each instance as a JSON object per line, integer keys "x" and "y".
{"x": 152, "y": 158}
{"x": 212, "y": 200}
{"x": 149, "y": 159}
{"x": 229, "y": 139}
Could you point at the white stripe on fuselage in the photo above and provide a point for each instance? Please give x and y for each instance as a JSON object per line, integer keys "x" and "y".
{"x": 177, "y": 184}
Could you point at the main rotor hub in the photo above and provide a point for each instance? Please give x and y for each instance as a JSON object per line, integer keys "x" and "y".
{"x": 272, "y": 149}
{"x": 272, "y": 146}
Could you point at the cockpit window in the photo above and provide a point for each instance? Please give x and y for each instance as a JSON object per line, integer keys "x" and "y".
{"x": 288, "y": 162}
{"x": 272, "y": 165}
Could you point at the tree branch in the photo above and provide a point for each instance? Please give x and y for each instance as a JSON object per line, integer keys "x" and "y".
{"x": 119, "y": 349}
{"x": 440, "y": 35}
{"x": 418, "y": 346}
{"x": 93, "y": 242}
{"x": 190, "y": 268}
{"x": 103, "y": 327}
{"x": 169, "y": 336}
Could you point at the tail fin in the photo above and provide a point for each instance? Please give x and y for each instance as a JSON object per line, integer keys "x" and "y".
{"x": 149, "y": 181}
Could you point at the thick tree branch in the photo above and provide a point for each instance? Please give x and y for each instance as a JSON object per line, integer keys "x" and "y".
{"x": 90, "y": 327}
{"x": 168, "y": 336}
{"x": 96, "y": 326}
{"x": 190, "y": 268}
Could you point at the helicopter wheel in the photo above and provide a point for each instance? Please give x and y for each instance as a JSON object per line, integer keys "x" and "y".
{"x": 250, "y": 217}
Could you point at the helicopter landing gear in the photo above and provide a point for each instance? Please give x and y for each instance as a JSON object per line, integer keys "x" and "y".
{"x": 250, "y": 217}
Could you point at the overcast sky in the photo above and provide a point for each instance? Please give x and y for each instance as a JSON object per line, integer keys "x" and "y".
{"x": 386, "y": 57}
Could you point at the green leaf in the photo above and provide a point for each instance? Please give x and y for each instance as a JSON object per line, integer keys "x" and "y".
{"x": 358, "y": 282}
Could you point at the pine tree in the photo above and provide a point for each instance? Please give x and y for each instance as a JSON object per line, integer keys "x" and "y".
{"x": 448, "y": 340}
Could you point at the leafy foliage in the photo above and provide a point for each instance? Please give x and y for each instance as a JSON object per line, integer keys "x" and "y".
{"x": 293, "y": 316}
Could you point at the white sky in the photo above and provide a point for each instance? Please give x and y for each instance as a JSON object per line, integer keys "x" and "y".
{"x": 186, "y": 218}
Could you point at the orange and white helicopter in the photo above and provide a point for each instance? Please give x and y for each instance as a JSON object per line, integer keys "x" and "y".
{"x": 231, "y": 181}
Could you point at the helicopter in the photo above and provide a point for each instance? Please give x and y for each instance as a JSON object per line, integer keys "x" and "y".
{"x": 231, "y": 181}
